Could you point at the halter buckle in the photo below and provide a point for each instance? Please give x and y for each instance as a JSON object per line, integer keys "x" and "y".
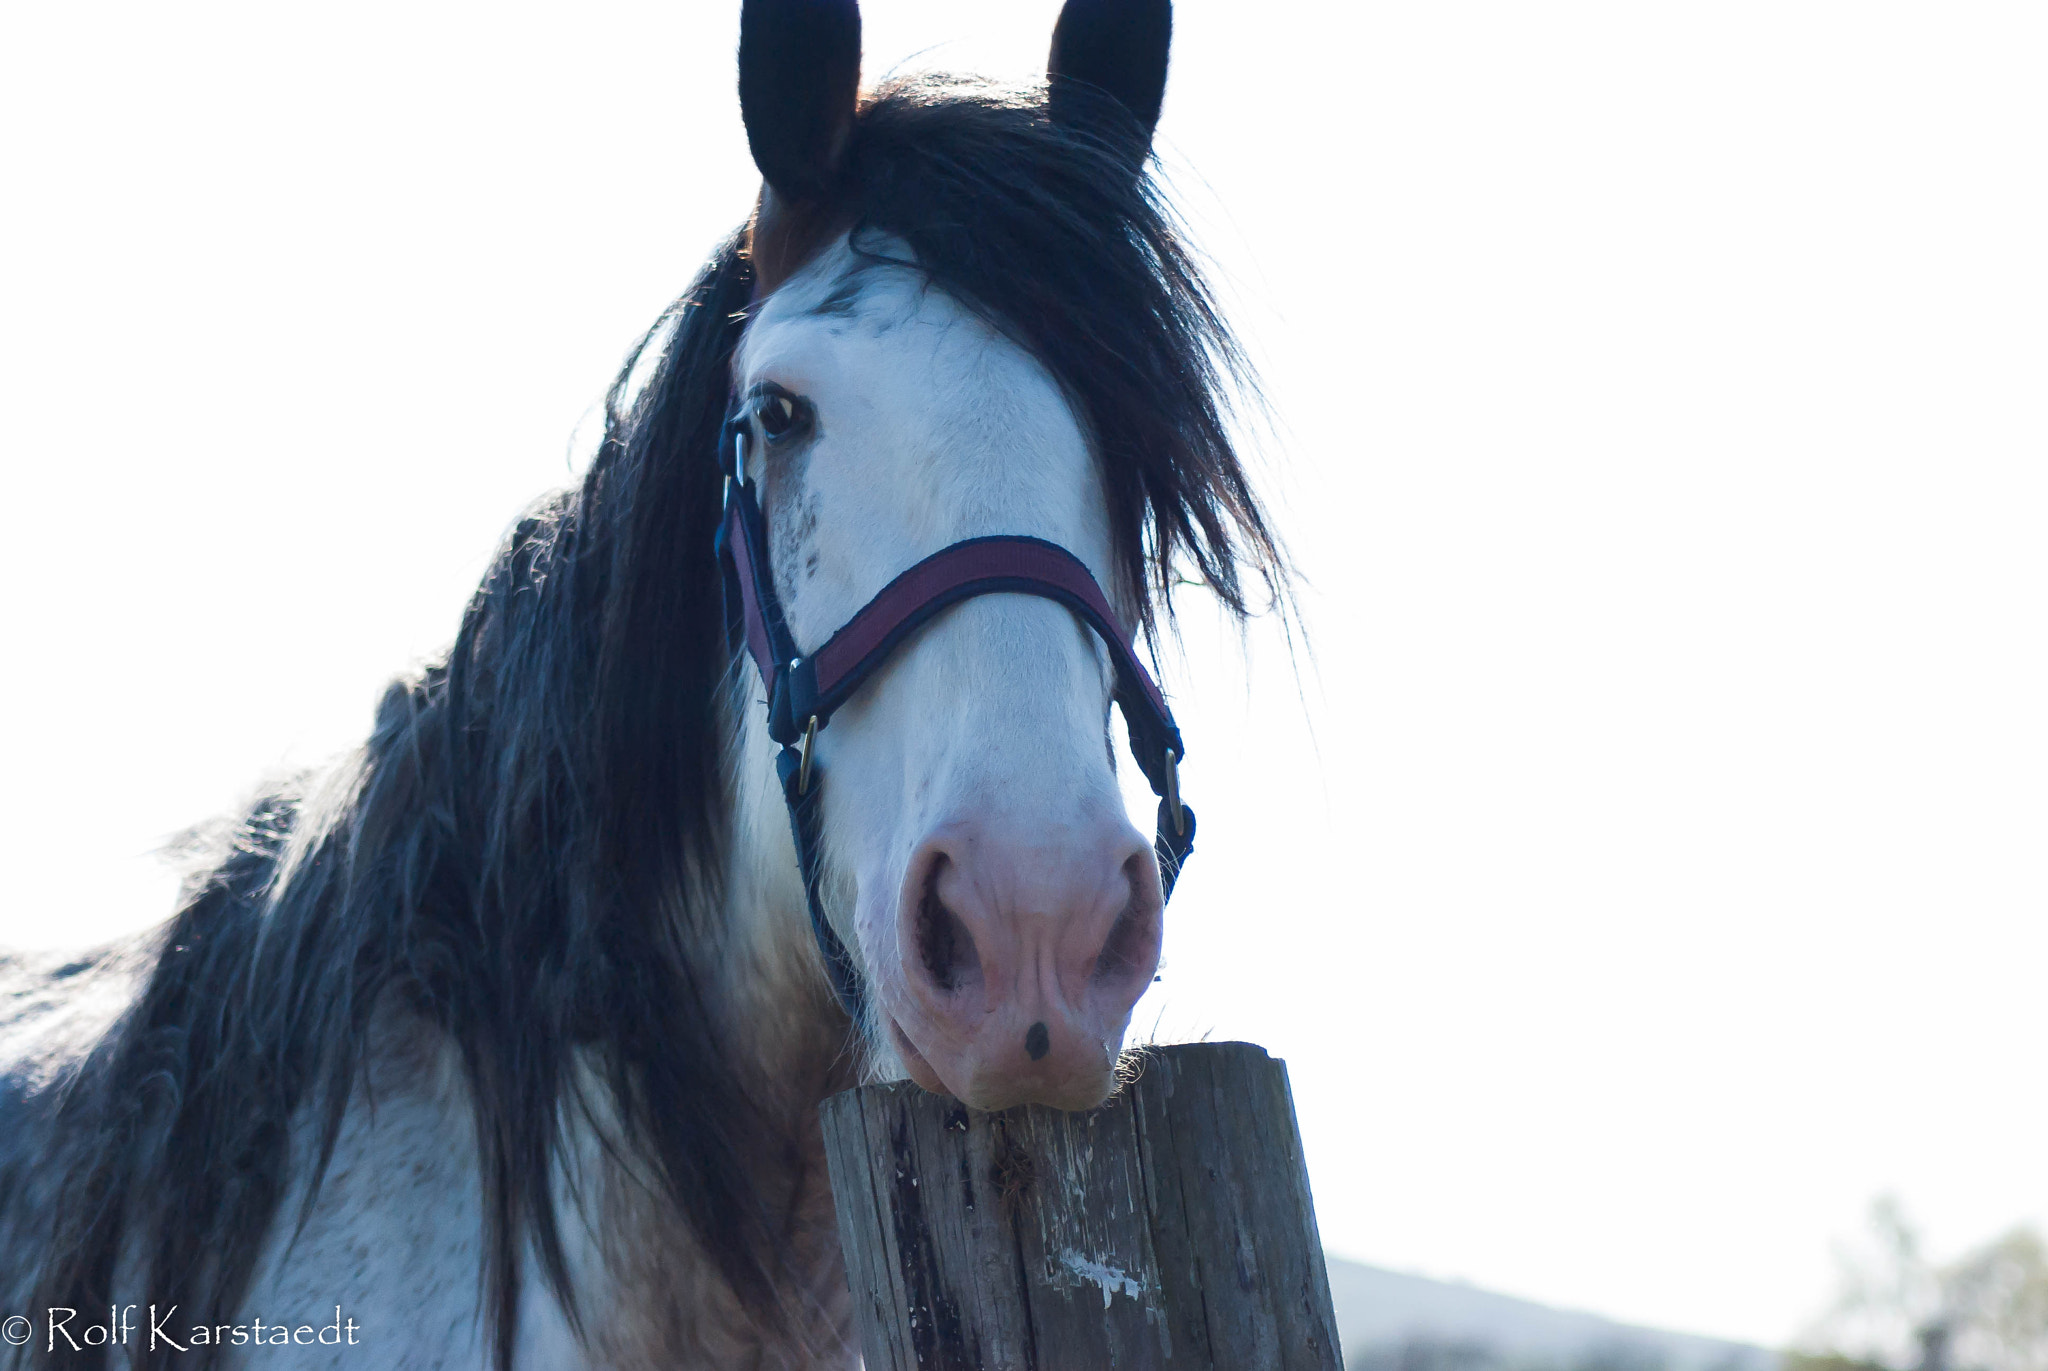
{"x": 737, "y": 477}
{"x": 1180, "y": 817}
{"x": 803, "y": 767}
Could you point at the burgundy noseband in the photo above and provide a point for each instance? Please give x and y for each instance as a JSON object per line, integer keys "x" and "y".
{"x": 804, "y": 689}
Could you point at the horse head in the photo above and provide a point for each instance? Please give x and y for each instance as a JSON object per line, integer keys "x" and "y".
{"x": 1000, "y": 912}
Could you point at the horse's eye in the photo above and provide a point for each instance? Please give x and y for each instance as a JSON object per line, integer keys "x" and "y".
{"x": 778, "y": 415}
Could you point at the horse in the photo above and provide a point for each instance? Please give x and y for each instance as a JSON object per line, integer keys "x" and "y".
{"x": 501, "y": 1041}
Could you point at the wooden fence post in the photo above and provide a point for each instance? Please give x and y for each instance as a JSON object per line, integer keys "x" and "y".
{"x": 1171, "y": 1228}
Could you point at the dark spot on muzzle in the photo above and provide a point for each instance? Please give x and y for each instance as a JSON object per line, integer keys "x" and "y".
{"x": 1038, "y": 1041}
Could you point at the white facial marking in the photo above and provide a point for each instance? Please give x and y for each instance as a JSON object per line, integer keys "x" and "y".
{"x": 974, "y": 760}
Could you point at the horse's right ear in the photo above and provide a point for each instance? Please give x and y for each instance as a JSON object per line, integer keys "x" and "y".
{"x": 1115, "y": 48}
{"x": 799, "y": 81}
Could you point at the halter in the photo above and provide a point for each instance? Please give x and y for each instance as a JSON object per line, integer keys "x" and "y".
{"x": 805, "y": 689}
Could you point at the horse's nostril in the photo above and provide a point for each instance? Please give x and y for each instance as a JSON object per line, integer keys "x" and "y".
{"x": 947, "y": 948}
{"x": 1037, "y": 1042}
{"x": 1124, "y": 951}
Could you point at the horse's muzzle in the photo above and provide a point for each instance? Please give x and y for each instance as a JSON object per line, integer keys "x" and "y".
{"x": 1020, "y": 956}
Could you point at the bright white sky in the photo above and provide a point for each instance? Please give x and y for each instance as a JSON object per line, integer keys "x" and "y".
{"x": 1650, "y": 869}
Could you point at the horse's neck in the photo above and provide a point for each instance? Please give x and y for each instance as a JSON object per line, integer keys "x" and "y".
{"x": 651, "y": 1297}
{"x": 788, "y": 1047}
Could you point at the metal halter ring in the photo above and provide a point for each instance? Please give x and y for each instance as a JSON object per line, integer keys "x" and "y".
{"x": 1180, "y": 818}
{"x": 803, "y": 770}
{"x": 737, "y": 477}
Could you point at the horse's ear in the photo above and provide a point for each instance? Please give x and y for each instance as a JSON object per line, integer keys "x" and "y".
{"x": 799, "y": 81}
{"x": 1115, "y": 48}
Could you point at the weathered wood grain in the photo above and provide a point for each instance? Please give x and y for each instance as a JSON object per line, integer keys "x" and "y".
{"x": 1171, "y": 1228}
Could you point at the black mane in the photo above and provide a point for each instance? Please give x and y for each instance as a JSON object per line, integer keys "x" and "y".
{"x": 524, "y": 852}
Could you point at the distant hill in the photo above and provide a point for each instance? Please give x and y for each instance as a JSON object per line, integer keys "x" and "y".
{"x": 1394, "y": 1322}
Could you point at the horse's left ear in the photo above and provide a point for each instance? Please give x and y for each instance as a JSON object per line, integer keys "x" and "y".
{"x": 1118, "y": 47}
{"x": 799, "y": 85}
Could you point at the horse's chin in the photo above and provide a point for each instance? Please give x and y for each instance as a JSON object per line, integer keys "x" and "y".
{"x": 913, "y": 1061}
{"x": 1072, "y": 1089}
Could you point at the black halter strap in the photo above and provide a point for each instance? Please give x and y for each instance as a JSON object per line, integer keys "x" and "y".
{"x": 804, "y": 689}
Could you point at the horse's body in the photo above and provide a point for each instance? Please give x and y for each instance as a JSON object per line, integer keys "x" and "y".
{"x": 506, "y": 1037}
{"x": 397, "y": 1235}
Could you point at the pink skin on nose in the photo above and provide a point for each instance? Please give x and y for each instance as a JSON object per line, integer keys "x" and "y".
{"x": 1020, "y": 960}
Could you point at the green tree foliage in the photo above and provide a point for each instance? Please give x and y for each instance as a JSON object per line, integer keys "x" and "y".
{"x": 1898, "y": 1311}
{"x": 1997, "y": 1299}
